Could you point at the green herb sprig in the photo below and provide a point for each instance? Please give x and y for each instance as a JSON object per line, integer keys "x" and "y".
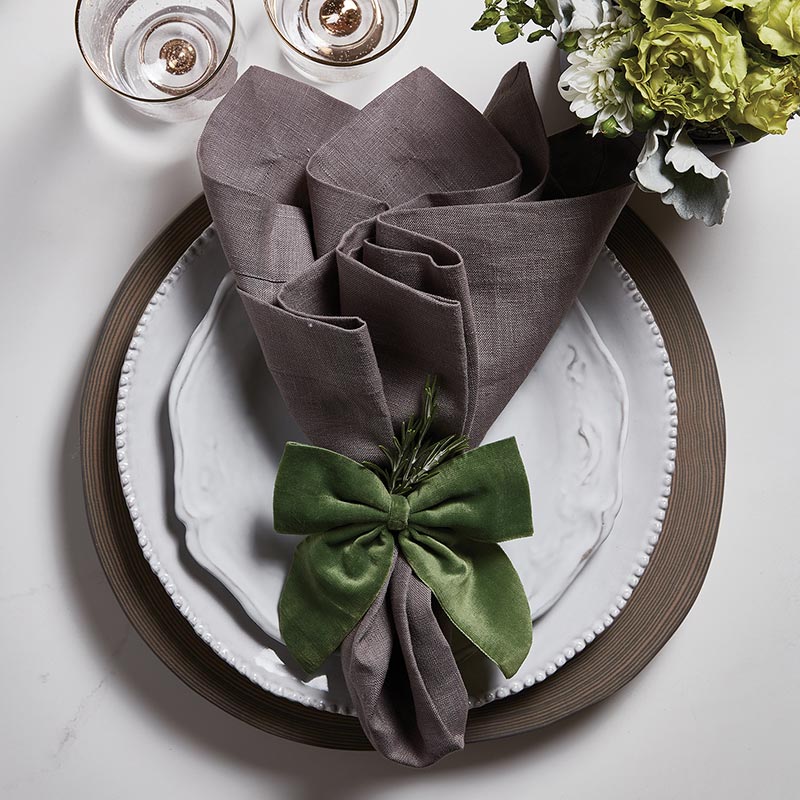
{"x": 413, "y": 458}
{"x": 510, "y": 17}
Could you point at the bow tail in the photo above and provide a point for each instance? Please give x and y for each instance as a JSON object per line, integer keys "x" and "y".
{"x": 329, "y": 588}
{"x": 478, "y": 588}
{"x": 402, "y": 675}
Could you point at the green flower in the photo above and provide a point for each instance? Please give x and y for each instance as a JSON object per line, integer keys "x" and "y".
{"x": 689, "y": 66}
{"x": 766, "y": 99}
{"x": 638, "y": 9}
{"x": 706, "y": 8}
{"x": 777, "y": 25}
{"x": 652, "y": 9}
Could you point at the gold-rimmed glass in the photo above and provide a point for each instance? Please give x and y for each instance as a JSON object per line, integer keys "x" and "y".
{"x": 339, "y": 40}
{"x": 170, "y": 59}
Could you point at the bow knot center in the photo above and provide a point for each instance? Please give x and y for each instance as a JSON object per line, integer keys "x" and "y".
{"x": 397, "y": 519}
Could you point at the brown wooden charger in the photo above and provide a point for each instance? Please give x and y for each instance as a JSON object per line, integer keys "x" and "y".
{"x": 658, "y": 605}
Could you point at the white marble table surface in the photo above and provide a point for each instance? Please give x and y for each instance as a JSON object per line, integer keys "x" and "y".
{"x": 89, "y": 712}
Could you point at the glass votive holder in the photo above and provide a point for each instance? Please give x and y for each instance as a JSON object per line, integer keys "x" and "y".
{"x": 170, "y": 59}
{"x": 332, "y": 41}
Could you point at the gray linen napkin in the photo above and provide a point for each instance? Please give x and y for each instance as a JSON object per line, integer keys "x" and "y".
{"x": 372, "y": 248}
{"x": 403, "y": 672}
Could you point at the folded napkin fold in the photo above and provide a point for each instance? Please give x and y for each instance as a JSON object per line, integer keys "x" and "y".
{"x": 373, "y": 248}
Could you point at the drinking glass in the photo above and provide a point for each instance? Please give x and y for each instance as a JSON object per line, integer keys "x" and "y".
{"x": 338, "y": 40}
{"x": 170, "y": 59}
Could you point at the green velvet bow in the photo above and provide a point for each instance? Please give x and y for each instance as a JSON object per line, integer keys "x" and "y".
{"x": 448, "y": 529}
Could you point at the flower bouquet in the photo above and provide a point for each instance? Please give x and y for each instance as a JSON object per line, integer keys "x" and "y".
{"x": 678, "y": 73}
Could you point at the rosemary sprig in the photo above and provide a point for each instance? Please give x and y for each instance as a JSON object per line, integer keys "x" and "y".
{"x": 413, "y": 458}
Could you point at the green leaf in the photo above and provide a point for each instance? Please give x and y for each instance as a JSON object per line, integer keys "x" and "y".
{"x": 730, "y": 134}
{"x": 542, "y": 15}
{"x": 540, "y": 34}
{"x": 507, "y": 32}
{"x": 489, "y": 17}
{"x": 621, "y": 82}
{"x": 570, "y": 42}
{"x": 747, "y": 132}
{"x": 520, "y": 13}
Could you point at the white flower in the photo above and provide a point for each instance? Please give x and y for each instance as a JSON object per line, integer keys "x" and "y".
{"x": 590, "y": 83}
{"x": 580, "y": 15}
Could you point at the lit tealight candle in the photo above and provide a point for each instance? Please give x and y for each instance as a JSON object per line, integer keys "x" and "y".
{"x": 340, "y": 17}
{"x": 179, "y": 55}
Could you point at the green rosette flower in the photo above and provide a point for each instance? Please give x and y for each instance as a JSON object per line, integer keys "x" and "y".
{"x": 766, "y": 99}
{"x": 777, "y": 24}
{"x": 652, "y": 9}
{"x": 707, "y": 8}
{"x": 689, "y": 66}
{"x": 649, "y": 9}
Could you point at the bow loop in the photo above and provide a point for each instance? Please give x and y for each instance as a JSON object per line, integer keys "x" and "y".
{"x": 482, "y": 495}
{"x": 319, "y": 491}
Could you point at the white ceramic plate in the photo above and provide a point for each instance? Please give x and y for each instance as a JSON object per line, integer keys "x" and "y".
{"x": 229, "y": 427}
